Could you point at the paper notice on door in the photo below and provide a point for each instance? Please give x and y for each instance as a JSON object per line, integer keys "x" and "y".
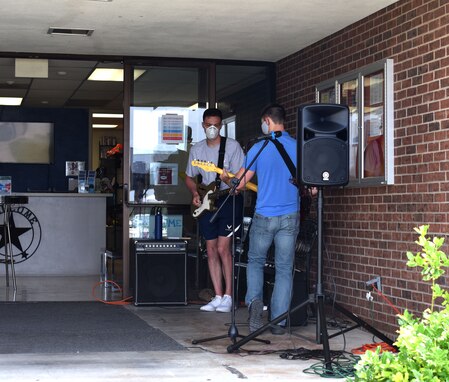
{"x": 164, "y": 174}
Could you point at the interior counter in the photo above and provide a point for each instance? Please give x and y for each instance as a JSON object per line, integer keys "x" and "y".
{"x": 58, "y": 234}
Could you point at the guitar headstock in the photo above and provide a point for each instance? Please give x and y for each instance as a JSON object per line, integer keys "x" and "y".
{"x": 205, "y": 165}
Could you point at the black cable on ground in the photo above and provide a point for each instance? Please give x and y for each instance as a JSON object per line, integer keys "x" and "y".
{"x": 342, "y": 363}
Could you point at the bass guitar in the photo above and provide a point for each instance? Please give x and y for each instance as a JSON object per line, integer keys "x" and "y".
{"x": 210, "y": 167}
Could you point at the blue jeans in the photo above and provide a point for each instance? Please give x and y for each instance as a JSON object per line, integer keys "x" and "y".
{"x": 283, "y": 230}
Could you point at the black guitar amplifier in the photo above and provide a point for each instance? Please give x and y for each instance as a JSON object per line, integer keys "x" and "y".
{"x": 159, "y": 271}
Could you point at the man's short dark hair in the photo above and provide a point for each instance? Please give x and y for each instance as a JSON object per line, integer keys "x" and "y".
{"x": 212, "y": 112}
{"x": 275, "y": 111}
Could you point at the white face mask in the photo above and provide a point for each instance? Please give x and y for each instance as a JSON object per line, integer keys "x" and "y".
{"x": 265, "y": 128}
{"x": 211, "y": 132}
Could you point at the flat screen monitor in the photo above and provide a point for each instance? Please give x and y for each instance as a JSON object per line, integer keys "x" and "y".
{"x": 26, "y": 142}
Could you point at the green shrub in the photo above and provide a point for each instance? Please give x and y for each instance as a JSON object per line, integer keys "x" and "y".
{"x": 423, "y": 342}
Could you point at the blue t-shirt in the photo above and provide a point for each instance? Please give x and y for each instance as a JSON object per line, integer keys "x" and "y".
{"x": 276, "y": 195}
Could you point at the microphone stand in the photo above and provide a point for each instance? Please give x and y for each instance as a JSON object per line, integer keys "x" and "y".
{"x": 233, "y": 332}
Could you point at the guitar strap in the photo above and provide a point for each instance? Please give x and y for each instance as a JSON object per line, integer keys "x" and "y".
{"x": 306, "y": 198}
{"x": 288, "y": 161}
{"x": 221, "y": 154}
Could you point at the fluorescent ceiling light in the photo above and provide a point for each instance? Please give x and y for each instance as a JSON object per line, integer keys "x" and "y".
{"x": 106, "y": 115}
{"x": 11, "y": 101}
{"x": 103, "y": 126}
{"x": 31, "y": 67}
{"x": 106, "y": 74}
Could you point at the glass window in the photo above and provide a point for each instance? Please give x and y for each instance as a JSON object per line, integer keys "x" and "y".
{"x": 165, "y": 119}
{"x": 373, "y": 123}
{"x": 368, "y": 93}
{"x": 228, "y": 129}
{"x": 241, "y": 93}
{"x": 328, "y": 95}
{"x": 349, "y": 96}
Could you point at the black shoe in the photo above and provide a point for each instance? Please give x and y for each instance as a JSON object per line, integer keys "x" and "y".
{"x": 255, "y": 315}
{"x": 277, "y": 329}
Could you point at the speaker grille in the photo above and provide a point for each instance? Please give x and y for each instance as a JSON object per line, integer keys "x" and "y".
{"x": 326, "y": 166}
{"x": 323, "y": 152}
{"x": 160, "y": 273}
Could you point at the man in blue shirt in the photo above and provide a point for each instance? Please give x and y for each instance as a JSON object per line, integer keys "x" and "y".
{"x": 276, "y": 219}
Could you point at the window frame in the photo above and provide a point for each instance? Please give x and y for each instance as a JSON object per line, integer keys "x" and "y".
{"x": 387, "y": 117}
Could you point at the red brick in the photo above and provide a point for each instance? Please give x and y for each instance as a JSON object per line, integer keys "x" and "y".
{"x": 369, "y": 229}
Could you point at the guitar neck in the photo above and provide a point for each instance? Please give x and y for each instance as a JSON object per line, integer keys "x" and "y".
{"x": 248, "y": 185}
{"x": 210, "y": 167}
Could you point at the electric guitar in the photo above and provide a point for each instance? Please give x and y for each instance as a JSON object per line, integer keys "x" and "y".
{"x": 208, "y": 196}
{"x": 210, "y": 167}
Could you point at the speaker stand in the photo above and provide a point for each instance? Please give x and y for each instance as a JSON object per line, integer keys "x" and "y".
{"x": 319, "y": 300}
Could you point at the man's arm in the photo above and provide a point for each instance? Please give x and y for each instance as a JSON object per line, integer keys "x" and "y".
{"x": 191, "y": 185}
{"x": 227, "y": 179}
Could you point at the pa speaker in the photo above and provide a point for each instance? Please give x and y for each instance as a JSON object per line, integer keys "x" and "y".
{"x": 323, "y": 149}
{"x": 160, "y": 272}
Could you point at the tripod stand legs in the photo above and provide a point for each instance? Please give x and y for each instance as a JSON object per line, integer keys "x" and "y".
{"x": 232, "y": 334}
{"x": 322, "y": 334}
{"x": 360, "y": 323}
{"x": 253, "y": 335}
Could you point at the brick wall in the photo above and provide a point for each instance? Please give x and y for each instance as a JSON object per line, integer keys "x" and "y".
{"x": 368, "y": 230}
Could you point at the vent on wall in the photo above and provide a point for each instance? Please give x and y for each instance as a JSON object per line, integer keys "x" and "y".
{"x": 70, "y": 31}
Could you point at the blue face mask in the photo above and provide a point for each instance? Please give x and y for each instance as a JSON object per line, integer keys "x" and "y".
{"x": 265, "y": 128}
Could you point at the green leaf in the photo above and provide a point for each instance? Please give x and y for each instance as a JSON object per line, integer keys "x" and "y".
{"x": 423, "y": 342}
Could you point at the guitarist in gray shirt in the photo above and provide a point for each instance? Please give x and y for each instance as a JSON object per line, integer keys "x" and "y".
{"x": 218, "y": 234}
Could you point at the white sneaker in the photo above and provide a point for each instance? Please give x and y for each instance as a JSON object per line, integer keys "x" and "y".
{"x": 225, "y": 305}
{"x": 212, "y": 306}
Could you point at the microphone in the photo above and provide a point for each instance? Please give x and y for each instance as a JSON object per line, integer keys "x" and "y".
{"x": 272, "y": 135}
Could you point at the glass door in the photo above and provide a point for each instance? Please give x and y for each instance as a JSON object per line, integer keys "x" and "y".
{"x": 165, "y": 120}
{"x": 165, "y": 116}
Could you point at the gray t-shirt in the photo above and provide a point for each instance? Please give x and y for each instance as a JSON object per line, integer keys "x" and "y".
{"x": 200, "y": 151}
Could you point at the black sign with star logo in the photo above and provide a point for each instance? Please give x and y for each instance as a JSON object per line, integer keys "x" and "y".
{"x": 25, "y": 233}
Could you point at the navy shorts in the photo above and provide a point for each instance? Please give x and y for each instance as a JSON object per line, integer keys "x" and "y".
{"x": 222, "y": 225}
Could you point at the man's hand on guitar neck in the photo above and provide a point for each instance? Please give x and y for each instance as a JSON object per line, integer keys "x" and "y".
{"x": 224, "y": 177}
